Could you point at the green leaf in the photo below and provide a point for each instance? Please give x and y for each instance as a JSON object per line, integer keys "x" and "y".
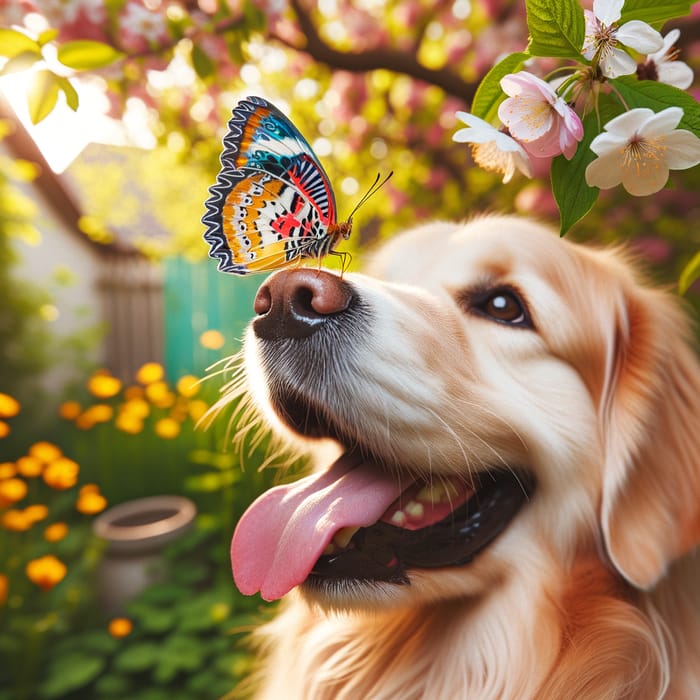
{"x": 138, "y": 657}
{"x": 556, "y": 28}
{"x": 70, "y": 92}
{"x": 653, "y": 11}
{"x": 69, "y": 673}
{"x": 42, "y": 95}
{"x": 202, "y": 63}
{"x": 691, "y": 272}
{"x": 14, "y": 43}
{"x": 657, "y": 96}
{"x": 489, "y": 93}
{"x": 85, "y": 54}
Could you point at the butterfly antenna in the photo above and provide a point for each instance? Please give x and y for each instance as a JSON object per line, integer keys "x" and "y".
{"x": 374, "y": 187}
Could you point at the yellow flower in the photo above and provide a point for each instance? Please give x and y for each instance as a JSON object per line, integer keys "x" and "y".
{"x": 167, "y": 428}
{"x": 8, "y": 406}
{"x": 150, "y": 372}
{"x": 16, "y": 520}
{"x": 120, "y": 627}
{"x": 138, "y": 408}
{"x": 36, "y": 512}
{"x": 29, "y": 466}
{"x": 212, "y": 340}
{"x": 133, "y": 392}
{"x": 46, "y": 571}
{"x": 45, "y": 451}
{"x": 99, "y": 413}
{"x": 7, "y": 470}
{"x": 128, "y": 423}
{"x": 69, "y": 410}
{"x": 55, "y": 532}
{"x": 61, "y": 474}
{"x": 188, "y": 386}
{"x": 4, "y": 587}
{"x": 103, "y": 385}
{"x": 90, "y": 503}
{"x": 160, "y": 395}
{"x": 11, "y": 491}
{"x": 197, "y": 409}
{"x": 4, "y": 429}
{"x": 89, "y": 488}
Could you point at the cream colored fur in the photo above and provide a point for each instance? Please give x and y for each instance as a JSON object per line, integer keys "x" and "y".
{"x": 593, "y": 591}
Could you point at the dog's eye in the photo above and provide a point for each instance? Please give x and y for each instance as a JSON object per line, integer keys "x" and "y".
{"x": 502, "y": 305}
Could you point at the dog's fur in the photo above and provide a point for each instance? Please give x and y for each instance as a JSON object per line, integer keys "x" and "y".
{"x": 592, "y": 590}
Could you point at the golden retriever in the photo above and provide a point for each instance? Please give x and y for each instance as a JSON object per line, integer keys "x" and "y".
{"x": 517, "y": 502}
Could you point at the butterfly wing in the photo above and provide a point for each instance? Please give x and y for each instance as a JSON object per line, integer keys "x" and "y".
{"x": 272, "y": 201}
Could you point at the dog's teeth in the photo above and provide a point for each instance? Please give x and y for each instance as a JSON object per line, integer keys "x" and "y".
{"x": 344, "y": 535}
{"x": 398, "y": 518}
{"x": 414, "y": 510}
{"x": 330, "y": 549}
{"x": 442, "y": 492}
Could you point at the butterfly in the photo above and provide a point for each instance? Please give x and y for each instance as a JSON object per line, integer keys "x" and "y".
{"x": 272, "y": 203}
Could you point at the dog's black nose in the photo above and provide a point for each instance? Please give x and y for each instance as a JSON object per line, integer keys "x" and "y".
{"x": 296, "y": 303}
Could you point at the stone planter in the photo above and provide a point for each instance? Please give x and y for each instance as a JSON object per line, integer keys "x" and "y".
{"x": 136, "y": 533}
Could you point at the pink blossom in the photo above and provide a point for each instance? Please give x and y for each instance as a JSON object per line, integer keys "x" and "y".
{"x": 538, "y": 118}
{"x": 140, "y": 28}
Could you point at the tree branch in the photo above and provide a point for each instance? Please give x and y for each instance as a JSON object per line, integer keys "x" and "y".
{"x": 373, "y": 59}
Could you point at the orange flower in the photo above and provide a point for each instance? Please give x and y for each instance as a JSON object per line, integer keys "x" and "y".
{"x": 138, "y": 408}
{"x": 36, "y": 512}
{"x": 212, "y": 340}
{"x": 9, "y": 407}
{"x": 7, "y": 470}
{"x": 55, "y": 532}
{"x": 160, "y": 395}
{"x": 29, "y": 466}
{"x": 46, "y": 571}
{"x": 69, "y": 410}
{"x": 45, "y": 451}
{"x": 61, "y": 474}
{"x": 188, "y": 386}
{"x": 11, "y": 491}
{"x": 89, "y": 488}
{"x": 103, "y": 385}
{"x": 149, "y": 373}
{"x": 128, "y": 423}
{"x": 90, "y": 503}
{"x": 16, "y": 520}
{"x": 99, "y": 413}
{"x": 4, "y": 587}
{"x": 4, "y": 429}
{"x": 133, "y": 392}
{"x": 120, "y": 627}
{"x": 167, "y": 428}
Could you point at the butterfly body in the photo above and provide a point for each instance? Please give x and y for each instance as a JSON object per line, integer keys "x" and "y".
{"x": 272, "y": 203}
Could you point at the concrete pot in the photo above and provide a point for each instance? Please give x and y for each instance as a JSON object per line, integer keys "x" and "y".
{"x": 136, "y": 533}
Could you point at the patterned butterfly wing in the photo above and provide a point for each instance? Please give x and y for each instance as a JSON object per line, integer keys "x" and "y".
{"x": 272, "y": 202}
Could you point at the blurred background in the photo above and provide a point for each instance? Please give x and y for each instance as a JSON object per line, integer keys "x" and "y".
{"x": 111, "y": 313}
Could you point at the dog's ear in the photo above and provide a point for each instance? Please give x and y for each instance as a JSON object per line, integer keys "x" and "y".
{"x": 650, "y": 421}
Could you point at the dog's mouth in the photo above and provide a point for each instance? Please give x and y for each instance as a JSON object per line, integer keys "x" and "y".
{"x": 359, "y": 521}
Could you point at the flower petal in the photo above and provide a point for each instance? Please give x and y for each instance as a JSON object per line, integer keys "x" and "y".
{"x": 527, "y": 116}
{"x": 604, "y": 172}
{"x": 606, "y": 143}
{"x": 641, "y": 178}
{"x": 682, "y": 149}
{"x": 675, "y": 73}
{"x": 618, "y": 63}
{"x": 661, "y": 123}
{"x": 640, "y": 36}
{"x": 669, "y": 40}
{"x": 608, "y": 11}
{"x": 628, "y": 123}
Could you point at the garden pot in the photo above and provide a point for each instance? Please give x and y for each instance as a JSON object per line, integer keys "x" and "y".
{"x": 136, "y": 532}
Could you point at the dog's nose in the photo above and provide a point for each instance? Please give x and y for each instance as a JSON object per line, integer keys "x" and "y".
{"x": 296, "y": 303}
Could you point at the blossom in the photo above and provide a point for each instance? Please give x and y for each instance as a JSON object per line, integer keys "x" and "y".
{"x": 149, "y": 372}
{"x": 663, "y": 65}
{"x": 55, "y": 532}
{"x": 603, "y": 35}
{"x": 90, "y": 503}
{"x": 9, "y": 406}
{"x": 538, "y": 118}
{"x": 639, "y": 147}
{"x": 492, "y": 149}
{"x": 46, "y": 571}
{"x": 69, "y": 410}
{"x": 11, "y": 491}
{"x": 4, "y": 429}
{"x": 188, "y": 385}
{"x": 29, "y": 466}
{"x": 212, "y": 339}
{"x": 4, "y": 588}
{"x": 120, "y": 627}
{"x": 167, "y": 428}
{"x": 103, "y": 385}
{"x": 61, "y": 474}
{"x": 45, "y": 451}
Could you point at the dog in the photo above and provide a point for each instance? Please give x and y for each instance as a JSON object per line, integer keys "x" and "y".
{"x": 515, "y": 503}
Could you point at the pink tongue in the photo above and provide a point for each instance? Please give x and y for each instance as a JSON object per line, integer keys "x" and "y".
{"x": 283, "y": 533}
